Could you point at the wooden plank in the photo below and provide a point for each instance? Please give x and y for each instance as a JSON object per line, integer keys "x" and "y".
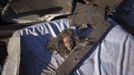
{"x": 85, "y": 14}
{"x": 82, "y": 49}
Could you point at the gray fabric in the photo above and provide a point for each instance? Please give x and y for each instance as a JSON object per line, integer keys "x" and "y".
{"x": 114, "y": 56}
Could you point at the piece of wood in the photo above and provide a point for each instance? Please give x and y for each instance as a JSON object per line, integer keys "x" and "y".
{"x": 82, "y": 49}
{"x": 93, "y": 14}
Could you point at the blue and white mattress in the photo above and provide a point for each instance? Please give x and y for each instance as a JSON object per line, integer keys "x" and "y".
{"x": 28, "y": 53}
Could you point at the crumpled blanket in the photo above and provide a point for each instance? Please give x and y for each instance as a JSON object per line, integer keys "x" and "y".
{"x": 112, "y": 56}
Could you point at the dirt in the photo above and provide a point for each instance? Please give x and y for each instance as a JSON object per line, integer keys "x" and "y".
{"x": 94, "y": 12}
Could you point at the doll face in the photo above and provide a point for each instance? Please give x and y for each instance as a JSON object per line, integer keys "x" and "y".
{"x": 68, "y": 42}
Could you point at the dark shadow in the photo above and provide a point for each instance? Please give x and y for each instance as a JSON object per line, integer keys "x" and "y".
{"x": 10, "y": 13}
{"x": 3, "y": 52}
{"x": 40, "y": 12}
{"x": 3, "y": 3}
{"x": 124, "y": 15}
{"x": 91, "y": 42}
